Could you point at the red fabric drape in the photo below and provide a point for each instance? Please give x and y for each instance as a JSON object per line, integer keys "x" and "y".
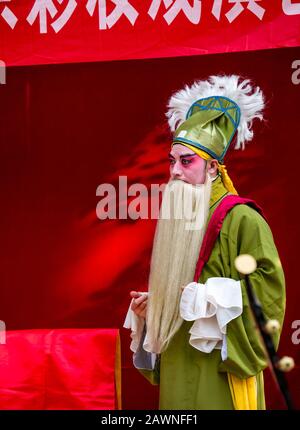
{"x": 65, "y": 129}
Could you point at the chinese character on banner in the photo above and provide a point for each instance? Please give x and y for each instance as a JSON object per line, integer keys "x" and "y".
{"x": 238, "y": 8}
{"x": 192, "y": 12}
{"x": 8, "y": 15}
{"x": 290, "y": 8}
{"x": 41, "y": 8}
{"x": 123, "y": 7}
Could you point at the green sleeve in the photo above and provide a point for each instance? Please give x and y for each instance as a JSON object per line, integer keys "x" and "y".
{"x": 246, "y": 232}
{"x": 142, "y": 361}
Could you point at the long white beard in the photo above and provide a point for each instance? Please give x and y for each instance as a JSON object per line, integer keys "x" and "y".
{"x": 175, "y": 253}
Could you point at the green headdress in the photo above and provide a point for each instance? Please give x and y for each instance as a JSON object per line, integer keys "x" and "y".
{"x": 207, "y": 115}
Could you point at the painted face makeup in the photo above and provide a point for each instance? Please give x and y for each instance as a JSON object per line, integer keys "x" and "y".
{"x": 186, "y": 166}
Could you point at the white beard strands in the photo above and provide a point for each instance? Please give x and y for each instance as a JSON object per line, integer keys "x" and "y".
{"x": 175, "y": 253}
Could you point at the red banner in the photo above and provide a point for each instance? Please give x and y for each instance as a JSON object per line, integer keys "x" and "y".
{"x": 62, "y": 31}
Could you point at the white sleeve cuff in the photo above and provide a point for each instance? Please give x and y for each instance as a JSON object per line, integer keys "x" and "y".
{"x": 136, "y": 324}
{"x": 143, "y": 358}
{"x": 212, "y": 306}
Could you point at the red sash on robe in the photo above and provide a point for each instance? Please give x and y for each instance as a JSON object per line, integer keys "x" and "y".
{"x": 215, "y": 225}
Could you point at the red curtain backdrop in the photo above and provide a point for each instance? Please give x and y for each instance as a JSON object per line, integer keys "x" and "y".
{"x": 52, "y": 31}
{"x": 65, "y": 129}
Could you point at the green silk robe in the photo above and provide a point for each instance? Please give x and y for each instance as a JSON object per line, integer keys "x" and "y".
{"x": 191, "y": 379}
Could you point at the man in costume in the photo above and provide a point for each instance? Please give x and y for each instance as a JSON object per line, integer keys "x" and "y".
{"x": 193, "y": 333}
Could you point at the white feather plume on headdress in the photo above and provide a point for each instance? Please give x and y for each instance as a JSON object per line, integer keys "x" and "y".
{"x": 250, "y": 101}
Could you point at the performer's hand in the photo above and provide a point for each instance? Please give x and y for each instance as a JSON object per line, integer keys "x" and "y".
{"x": 139, "y": 304}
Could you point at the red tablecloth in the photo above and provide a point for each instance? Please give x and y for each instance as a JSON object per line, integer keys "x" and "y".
{"x": 60, "y": 369}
